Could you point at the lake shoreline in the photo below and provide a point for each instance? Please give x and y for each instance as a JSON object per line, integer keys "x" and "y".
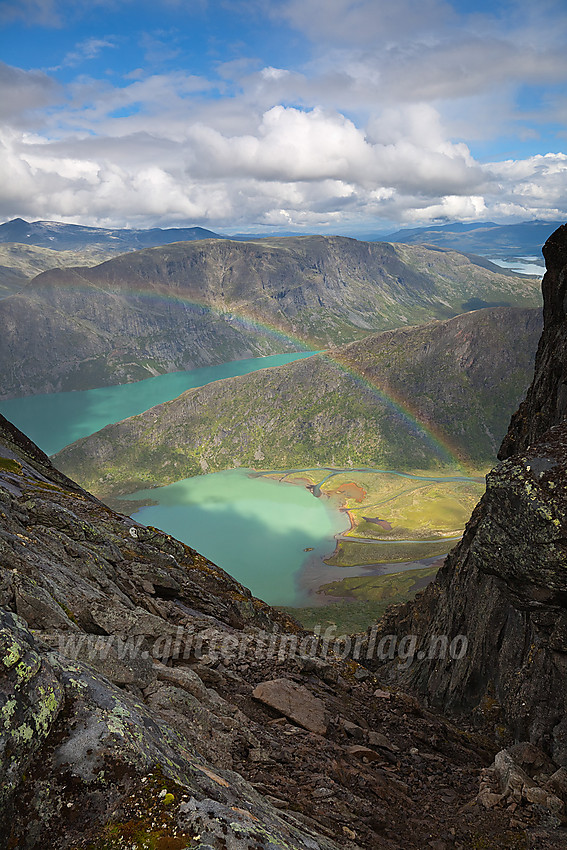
{"x": 311, "y": 569}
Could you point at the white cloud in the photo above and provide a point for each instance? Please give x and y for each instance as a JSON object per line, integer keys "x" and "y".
{"x": 85, "y": 50}
{"x": 371, "y": 125}
{"x": 314, "y": 169}
{"x": 294, "y": 145}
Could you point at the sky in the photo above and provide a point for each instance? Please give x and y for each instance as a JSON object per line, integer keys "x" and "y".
{"x": 316, "y": 116}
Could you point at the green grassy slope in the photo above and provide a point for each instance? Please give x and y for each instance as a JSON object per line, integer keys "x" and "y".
{"x": 467, "y": 374}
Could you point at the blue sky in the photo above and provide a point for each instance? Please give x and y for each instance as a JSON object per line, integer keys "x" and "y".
{"x": 340, "y": 116}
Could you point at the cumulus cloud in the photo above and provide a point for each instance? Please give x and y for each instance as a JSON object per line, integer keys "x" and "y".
{"x": 301, "y": 168}
{"x": 369, "y": 126}
{"x": 295, "y": 145}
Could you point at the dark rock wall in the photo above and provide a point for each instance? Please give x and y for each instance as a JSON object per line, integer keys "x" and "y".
{"x": 505, "y": 585}
{"x": 546, "y": 401}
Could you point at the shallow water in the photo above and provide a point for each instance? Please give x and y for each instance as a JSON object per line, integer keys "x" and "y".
{"x": 254, "y": 528}
{"x": 523, "y": 265}
{"x": 257, "y": 529}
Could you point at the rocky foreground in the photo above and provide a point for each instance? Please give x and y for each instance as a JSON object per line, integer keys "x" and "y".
{"x": 148, "y": 700}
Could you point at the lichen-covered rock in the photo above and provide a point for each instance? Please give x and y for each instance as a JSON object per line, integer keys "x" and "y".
{"x": 504, "y": 587}
{"x": 99, "y": 751}
{"x": 30, "y": 699}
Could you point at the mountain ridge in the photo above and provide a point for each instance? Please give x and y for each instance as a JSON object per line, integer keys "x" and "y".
{"x": 61, "y": 236}
{"x": 197, "y": 303}
{"x": 338, "y": 408}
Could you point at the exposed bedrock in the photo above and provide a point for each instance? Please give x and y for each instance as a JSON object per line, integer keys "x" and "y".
{"x": 505, "y": 585}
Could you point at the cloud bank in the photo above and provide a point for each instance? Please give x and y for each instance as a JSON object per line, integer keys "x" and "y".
{"x": 376, "y": 124}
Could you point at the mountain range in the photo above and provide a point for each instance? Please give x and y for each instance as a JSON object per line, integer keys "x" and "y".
{"x": 28, "y": 248}
{"x": 60, "y": 236}
{"x": 191, "y": 304}
{"x": 484, "y": 237}
{"x": 77, "y": 245}
{"x": 357, "y": 405}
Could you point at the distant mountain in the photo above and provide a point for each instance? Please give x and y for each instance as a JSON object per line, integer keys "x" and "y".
{"x": 461, "y": 378}
{"x": 198, "y": 303}
{"x": 66, "y": 245}
{"x": 487, "y": 237}
{"x": 19, "y": 263}
{"x": 62, "y": 237}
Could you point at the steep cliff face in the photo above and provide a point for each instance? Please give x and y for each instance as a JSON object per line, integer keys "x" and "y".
{"x": 546, "y": 400}
{"x": 505, "y": 585}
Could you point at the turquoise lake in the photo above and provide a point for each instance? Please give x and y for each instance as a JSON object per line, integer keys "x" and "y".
{"x": 255, "y": 528}
{"x": 54, "y": 420}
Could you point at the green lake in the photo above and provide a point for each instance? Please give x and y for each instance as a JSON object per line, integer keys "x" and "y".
{"x": 54, "y": 420}
{"x": 255, "y": 528}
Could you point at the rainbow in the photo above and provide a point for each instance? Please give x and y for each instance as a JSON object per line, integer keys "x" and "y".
{"x": 235, "y": 316}
{"x": 448, "y": 453}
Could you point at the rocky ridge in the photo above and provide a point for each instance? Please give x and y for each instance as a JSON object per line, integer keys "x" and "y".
{"x": 148, "y": 700}
{"x": 505, "y": 585}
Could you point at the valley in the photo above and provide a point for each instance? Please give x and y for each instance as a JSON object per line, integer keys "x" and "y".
{"x": 20, "y": 263}
{"x": 331, "y": 483}
{"x": 392, "y": 431}
{"x": 321, "y": 419}
{"x": 279, "y": 539}
{"x": 283, "y": 425}
{"x": 252, "y": 544}
{"x": 54, "y": 420}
